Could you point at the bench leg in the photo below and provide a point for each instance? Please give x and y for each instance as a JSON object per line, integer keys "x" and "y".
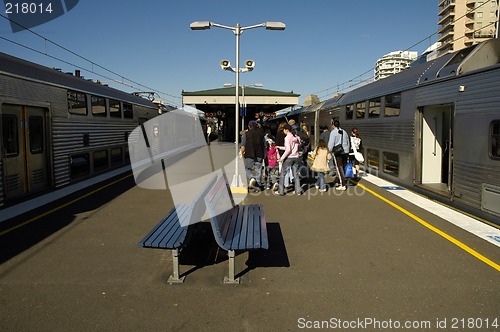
{"x": 174, "y": 278}
{"x": 230, "y": 279}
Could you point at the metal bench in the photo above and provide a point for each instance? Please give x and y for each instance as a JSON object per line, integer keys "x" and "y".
{"x": 171, "y": 232}
{"x": 240, "y": 227}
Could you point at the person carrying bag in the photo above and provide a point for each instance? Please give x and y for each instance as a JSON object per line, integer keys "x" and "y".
{"x": 355, "y": 156}
{"x": 339, "y": 146}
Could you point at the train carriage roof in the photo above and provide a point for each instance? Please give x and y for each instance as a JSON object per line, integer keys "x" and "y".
{"x": 465, "y": 60}
{"x": 306, "y": 109}
{"x": 407, "y": 79}
{"x": 332, "y": 102}
{"x": 17, "y": 67}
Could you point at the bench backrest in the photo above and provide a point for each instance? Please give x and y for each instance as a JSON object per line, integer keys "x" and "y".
{"x": 198, "y": 206}
{"x": 219, "y": 202}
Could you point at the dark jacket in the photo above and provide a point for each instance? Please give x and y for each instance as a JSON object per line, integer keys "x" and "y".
{"x": 254, "y": 145}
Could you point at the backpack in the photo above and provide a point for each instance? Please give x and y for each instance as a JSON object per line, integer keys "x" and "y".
{"x": 304, "y": 141}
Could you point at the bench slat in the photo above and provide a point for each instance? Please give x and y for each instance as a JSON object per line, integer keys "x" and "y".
{"x": 251, "y": 226}
{"x": 263, "y": 229}
{"x": 167, "y": 239}
{"x": 228, "y": 222}
{"x": 168, "y": 233}
{"x": 243, "y": 234}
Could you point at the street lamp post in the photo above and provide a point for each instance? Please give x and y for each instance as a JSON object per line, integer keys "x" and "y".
{"x": 204, "y": 25}
{"x": 259, "y": 85}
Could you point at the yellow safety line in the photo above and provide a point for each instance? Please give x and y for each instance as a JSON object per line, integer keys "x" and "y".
{"x": 239, "y": 190}
{"x": 61, "y": 206}
{"x": 436, "y": 230}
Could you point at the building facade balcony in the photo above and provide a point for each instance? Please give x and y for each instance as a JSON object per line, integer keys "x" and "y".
{"x": 444, "y": 18}
{"x": 449, "y": 7}
{"x": 446, "y": 37}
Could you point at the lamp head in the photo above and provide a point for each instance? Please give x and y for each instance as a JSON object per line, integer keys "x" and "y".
{"x": 200, "y": 25}
{"x": 275, "y": 25}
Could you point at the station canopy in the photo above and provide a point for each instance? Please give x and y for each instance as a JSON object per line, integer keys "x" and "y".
{"x": 259, "y": 102}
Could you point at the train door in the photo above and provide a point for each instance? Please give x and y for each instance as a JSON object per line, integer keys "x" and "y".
{"x": 436, "y": 148}
{"x": 24, "y": 149}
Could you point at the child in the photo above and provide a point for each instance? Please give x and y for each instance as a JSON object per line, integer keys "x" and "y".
{"x": 354, "y": 153}
{"x": 320, "y": 165}
{"x": 272, "y": 165}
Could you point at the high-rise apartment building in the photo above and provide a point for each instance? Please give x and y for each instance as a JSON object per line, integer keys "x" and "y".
{"x": 393, "y": 63}
{"x": 465, "y": 22}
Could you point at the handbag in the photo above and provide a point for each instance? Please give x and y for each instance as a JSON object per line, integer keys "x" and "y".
{"x": 359, "y": 157}
{"x": 349, "y": 173}
{"x": 338, "y": 150}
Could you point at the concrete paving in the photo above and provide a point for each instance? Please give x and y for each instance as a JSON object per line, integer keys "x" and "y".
{"x": 336, "y": 260}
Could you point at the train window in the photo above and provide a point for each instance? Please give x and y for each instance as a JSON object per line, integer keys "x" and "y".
{"x": 372, "y": 158}
{"x": 35, "y": 124}
{"x": 115, "y": 110}
{"x": 392, "y": 105}
{"x": 495, "y": 139}
{"x": 80, "y": 165}
{"x": 116, "y": 156}
{"x": 374, "y": 108}
{"x": 128, "y": 112}
{"x": 10, "y": 135}
{"x": 126, "y": 153}
{"x": 391, "y": 163}
{"x": 349, "y": 112}
{"x": 77, "y": 103}
{"x": 98, "y": 106}
{"x": 360, "y": 110}
{"x": 100, "y": 160}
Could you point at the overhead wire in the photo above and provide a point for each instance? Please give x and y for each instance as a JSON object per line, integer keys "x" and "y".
{"x": 122, "y": 78}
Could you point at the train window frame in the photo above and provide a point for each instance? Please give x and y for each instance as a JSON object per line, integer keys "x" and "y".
{"x": 361, "y": 110}
{"x": 83, "y": 167}
{"x": 100, "y": 160}
{"x": 373, "y": 159}
{"x": 494, "y": 141}
{"x": 375, "y": 105}
{"x": 116, "y": 156}
{"x": 390, "y": 163}
{"x": 115, "y": 108}
{"x": 98, "y": 106}
{"x": 128, "y": 111}
{"x": 349, "y": 111}
{"x": 396, "y": 96}
{"x": 12, "y": 150}
{"x": 36, "y": 135}
{"x": 77, "y": 103}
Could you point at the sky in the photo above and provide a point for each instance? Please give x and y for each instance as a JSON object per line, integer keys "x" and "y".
{"x": 327, "y": 46}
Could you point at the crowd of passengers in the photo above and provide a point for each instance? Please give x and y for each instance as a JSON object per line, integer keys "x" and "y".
{"x": 278, "y": 162}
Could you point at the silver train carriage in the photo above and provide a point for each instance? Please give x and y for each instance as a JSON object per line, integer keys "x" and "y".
{"x": 59, "y": 128}
{"x": 434, "y": 128}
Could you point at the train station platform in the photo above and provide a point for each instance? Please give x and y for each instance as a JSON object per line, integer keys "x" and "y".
{"x": 374, "y": 257}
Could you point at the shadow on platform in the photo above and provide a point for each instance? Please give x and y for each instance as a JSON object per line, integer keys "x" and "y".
{"x": 202, "y": 250}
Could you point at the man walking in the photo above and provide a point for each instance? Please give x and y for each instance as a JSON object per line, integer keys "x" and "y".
{"x": 338, "y": 137}
{"x": 253, "y": 150}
